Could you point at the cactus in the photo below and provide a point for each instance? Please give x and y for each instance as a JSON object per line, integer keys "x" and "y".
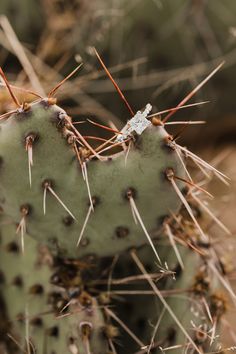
{"x": 188, "y": 291}
{"x": 55, "y": 163}
{"x": 84, "y": 208}
{"x": 50, "y": 317}
{"x": 40, "y": 288}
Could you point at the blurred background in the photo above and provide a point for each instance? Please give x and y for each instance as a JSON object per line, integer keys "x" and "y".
{"x": 157, "y": 51}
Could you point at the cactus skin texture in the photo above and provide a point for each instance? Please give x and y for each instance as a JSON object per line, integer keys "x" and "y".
{"x": 110, "y": 180}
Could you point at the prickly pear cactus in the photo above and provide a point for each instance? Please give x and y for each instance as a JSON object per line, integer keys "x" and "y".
{"x": 112, "y": 182}
{"x": 43, "y": 316}
{"x": 104, "y": 227}
{"x": 188, "y": 291}
{"x": 53, "y": 304}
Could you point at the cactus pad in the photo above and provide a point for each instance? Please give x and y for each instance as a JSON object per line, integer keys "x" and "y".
{"x": 111, "y": 227}
{"x": 34, "y": 305}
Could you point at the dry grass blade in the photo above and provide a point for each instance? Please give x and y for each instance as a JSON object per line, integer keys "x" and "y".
{"x": 20, "y": 53}
{"x": 13, "y": 87}
{"x": 13, "y": 96}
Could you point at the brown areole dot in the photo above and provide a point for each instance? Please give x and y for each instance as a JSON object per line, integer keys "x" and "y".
{"x": 86, "y": 329}
{"x": 51, "y": 101}
{"x": 156, "y": 122}
{"x": 162, "y": 219}
{"x": 68, "y": 220}
{"x": 47, "y": 183}
{"x": 18, "y": 281}
{"x": 201, "y": 335}
{"x": 30, "y": 140}
{"x": 130, "y": 192}
{"x": 36, "y": 289}
{"x": 20, "y": 317}
{"x": 2, "y": 277}
{"x": 12, "y": 247}
{"x": 84, "y": 242}
{"x": 85, "y": 299}
{"x": 95, "y": 201}
{"x": 36, "y": 321}
{"x": 53, "y": 331}
{"x": 169, "y": 173}
{"x": 122, "y": 231}
{"x": 171, "y": 335}
{"x": 26, "y": 107}
{"x": 25, "y": 209}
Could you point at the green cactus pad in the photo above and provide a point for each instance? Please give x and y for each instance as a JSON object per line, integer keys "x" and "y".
{"x": 111, "y": 227}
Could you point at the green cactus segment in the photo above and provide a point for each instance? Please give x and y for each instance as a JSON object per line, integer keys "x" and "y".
{"x": 35, "y": 306}
{"x": 111, "y": 227}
